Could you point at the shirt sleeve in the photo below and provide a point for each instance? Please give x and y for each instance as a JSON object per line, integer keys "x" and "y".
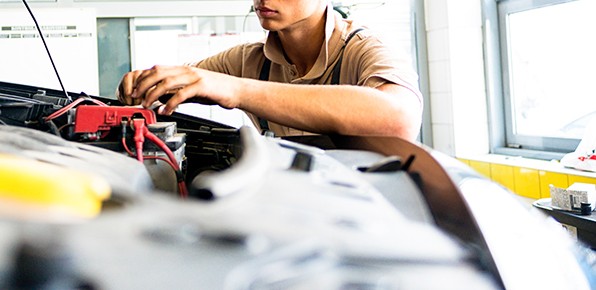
{"x": 369, "y": 62}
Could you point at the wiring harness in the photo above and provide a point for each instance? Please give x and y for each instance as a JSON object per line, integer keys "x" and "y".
{"x": 100, "y": 122}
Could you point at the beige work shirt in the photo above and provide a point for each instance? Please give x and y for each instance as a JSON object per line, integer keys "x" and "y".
{"x": 366, "y": 62}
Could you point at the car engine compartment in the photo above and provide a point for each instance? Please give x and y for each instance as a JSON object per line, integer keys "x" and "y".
{"x": 195, "y": 204}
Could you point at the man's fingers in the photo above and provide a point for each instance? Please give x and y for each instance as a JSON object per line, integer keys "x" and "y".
{"x": 152, "y": 80}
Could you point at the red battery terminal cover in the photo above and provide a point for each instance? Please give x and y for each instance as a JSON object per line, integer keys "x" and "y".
{"x": 92, "y": 119}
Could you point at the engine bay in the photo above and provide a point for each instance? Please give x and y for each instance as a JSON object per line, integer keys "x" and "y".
{"x": 97, "y": 195}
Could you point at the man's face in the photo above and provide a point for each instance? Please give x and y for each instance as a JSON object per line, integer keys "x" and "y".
{"x": 280, "y": 15}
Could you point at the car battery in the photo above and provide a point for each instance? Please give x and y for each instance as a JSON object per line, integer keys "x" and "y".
{"x": 163, "y": 177}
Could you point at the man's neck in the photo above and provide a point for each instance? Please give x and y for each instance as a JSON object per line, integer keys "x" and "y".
{"x": 302, "y": 44}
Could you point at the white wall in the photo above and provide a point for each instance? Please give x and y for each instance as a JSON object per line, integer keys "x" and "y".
{"x": 146, "y": 8}
{"x": 68, "y": 32}
{"x": 456, "y": 77}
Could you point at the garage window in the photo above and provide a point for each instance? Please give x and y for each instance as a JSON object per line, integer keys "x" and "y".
{"x": 547, "y": 66}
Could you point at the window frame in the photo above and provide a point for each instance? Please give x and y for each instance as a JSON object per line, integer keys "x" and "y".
{"x": 503, "y": 140}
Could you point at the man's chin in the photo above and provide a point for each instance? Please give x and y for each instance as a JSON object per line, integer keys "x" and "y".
{"x": 269, "y": 25}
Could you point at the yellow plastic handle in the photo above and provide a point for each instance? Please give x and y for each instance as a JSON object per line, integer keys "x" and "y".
{"x": 36, "y": 188}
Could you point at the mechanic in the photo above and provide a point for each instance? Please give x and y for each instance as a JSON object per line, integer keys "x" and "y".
{"x": 376, "y": 94}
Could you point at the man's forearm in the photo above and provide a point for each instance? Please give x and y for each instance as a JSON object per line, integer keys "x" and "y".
{"x": 349, "y": 110}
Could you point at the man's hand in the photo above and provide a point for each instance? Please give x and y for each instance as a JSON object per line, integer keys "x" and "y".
{"x": 181, "y": 84}
{"x": 125, "y": 88}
